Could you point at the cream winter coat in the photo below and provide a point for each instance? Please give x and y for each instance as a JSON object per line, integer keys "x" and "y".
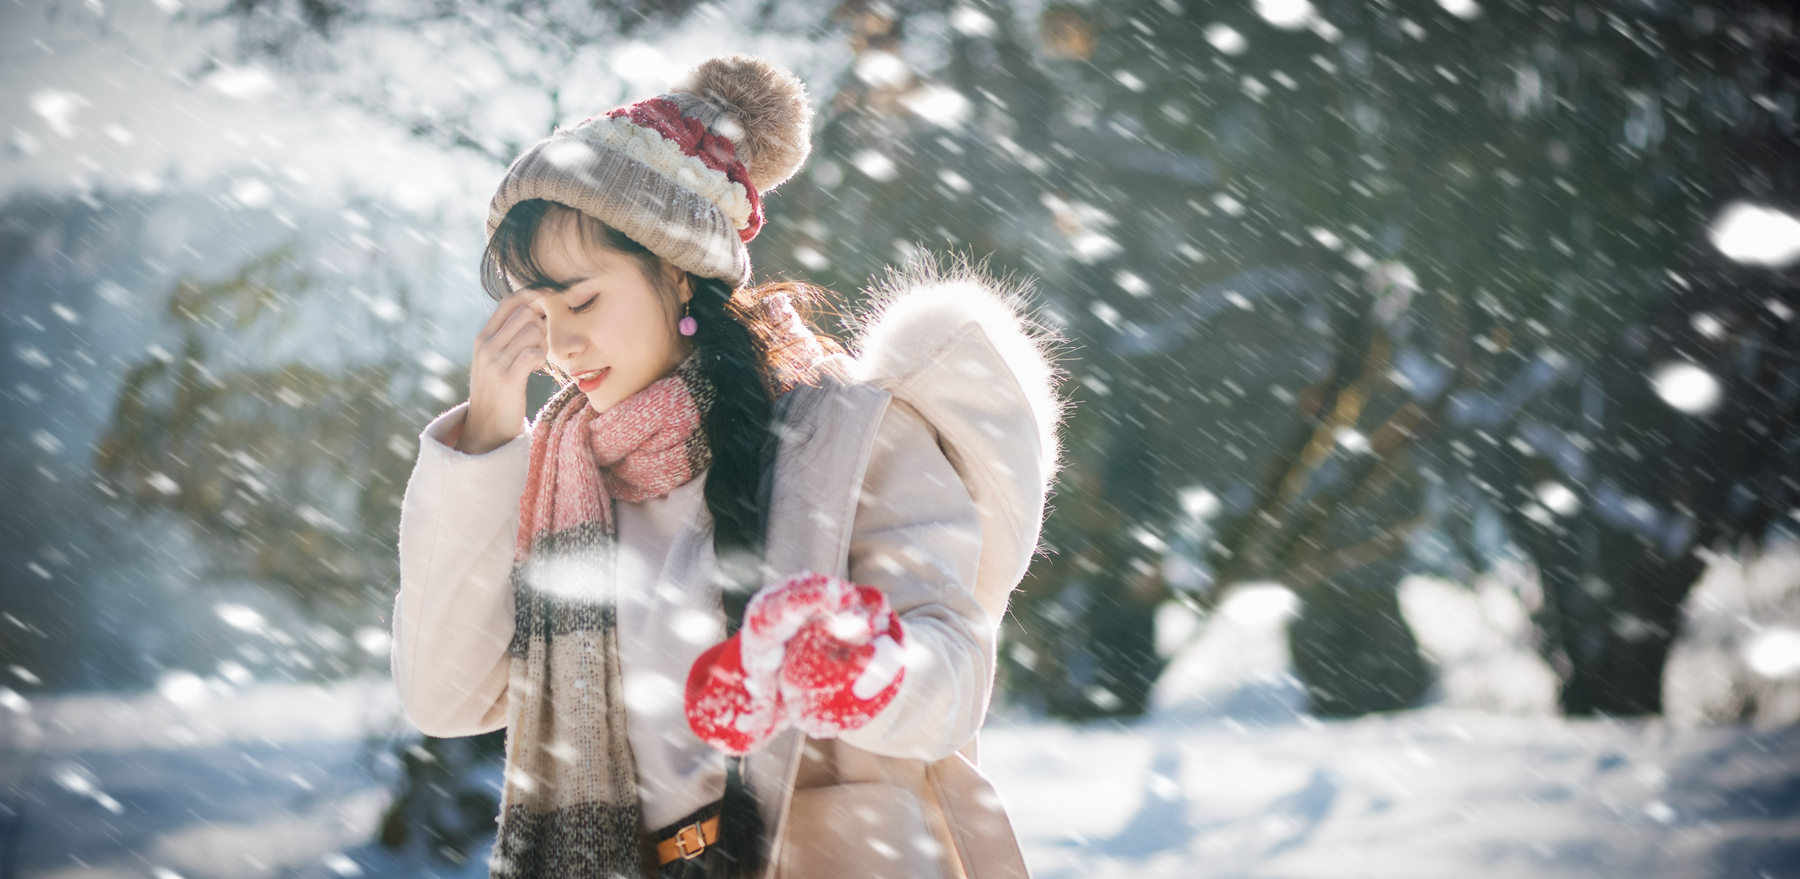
{"x": 920, "y": 468}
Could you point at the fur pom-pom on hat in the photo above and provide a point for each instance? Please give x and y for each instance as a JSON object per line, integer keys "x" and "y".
{"x": 761, "y": 108}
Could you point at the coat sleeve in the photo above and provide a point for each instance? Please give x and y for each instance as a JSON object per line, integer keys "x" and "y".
{"x": 453, "y": 616}
{"x": 917, "y": 537}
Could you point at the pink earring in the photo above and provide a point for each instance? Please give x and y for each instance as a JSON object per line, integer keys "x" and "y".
{"x": 687, "y": 325}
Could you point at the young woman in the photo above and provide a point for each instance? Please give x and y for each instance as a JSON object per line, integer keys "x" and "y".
{"x": 733, "y": 593}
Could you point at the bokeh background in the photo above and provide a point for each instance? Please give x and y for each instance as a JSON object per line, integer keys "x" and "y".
{"x": 1432, "y": 496}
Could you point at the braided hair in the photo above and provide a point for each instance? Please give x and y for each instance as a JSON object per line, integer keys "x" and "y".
{"x": 738, "y": 426}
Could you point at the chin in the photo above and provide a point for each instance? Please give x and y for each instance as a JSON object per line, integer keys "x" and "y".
{"x": 600, "y": 402}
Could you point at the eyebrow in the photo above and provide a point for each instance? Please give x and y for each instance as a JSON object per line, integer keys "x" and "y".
{"x": 558, "y": 288}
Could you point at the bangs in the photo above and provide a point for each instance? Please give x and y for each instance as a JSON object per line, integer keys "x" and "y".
{"x": 509, "y": 255}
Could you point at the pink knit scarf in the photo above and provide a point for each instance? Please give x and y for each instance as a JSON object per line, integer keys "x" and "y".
{"x": 569, "y": 807}
{"x": 644, "y": 447}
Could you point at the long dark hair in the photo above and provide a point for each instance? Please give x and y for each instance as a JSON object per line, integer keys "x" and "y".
{"x": 739, "y": 355}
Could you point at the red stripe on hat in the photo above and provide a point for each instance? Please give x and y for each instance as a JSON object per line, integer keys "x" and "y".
{"x": 718, "y": 153}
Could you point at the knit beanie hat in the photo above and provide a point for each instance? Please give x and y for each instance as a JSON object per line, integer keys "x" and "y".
{"x": 682, "y": 173}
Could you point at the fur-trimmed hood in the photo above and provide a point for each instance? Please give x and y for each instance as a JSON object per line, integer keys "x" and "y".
{"x": 963, "y": 350}
{"x": 913, "y": 315}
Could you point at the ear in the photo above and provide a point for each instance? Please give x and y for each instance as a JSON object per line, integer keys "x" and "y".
{"x": 684, "y": 285}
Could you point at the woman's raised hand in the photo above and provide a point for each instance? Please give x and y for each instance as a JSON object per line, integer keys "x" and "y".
{"x": 507, "y": 349}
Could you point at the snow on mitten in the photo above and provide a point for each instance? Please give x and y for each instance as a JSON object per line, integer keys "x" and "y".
{"x": 733, "y": 699}
{"x": 723, "y": 707}
{"x": 831, "y": 684}
{"x": 841, "y": 659}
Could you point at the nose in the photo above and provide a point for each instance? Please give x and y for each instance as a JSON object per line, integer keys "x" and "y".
{"x": 564, "y": 337}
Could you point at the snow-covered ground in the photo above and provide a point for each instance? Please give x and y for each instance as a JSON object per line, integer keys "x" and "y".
{"x": 1228, "y": 777}
{"x": 1224, "y": 778}
{"x": 1432, "y": 793}
{"x": 242, "y": 783}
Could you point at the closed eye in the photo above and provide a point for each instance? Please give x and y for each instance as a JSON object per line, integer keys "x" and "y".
{"x": 585, "y": 305}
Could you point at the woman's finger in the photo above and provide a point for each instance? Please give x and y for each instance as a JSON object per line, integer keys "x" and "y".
{"x": 506, "y": 312}
{"x": 529, "y": 342}
{"x": 522, "y": 321}
{"x": 527, "y": 360}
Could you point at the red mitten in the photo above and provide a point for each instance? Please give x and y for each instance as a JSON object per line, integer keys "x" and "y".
{"x": 840, "y": 660}
{"x": 723, "y": 708}
{"x": 831, "y": 685}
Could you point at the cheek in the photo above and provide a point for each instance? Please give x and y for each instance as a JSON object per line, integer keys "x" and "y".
{"x": 651, "y": 331}
{"x": 626, "y": 337}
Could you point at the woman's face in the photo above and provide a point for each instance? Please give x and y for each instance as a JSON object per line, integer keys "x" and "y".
{"x": 609, "y": 327}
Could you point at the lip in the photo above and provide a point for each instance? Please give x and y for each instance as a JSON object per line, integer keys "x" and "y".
{"x": 588, "y": 381}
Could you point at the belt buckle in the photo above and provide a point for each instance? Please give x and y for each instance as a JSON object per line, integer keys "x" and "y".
{"x": 682, "y": 839}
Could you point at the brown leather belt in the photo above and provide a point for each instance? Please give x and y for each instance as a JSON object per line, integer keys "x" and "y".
{"x": 689, "y": 841}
